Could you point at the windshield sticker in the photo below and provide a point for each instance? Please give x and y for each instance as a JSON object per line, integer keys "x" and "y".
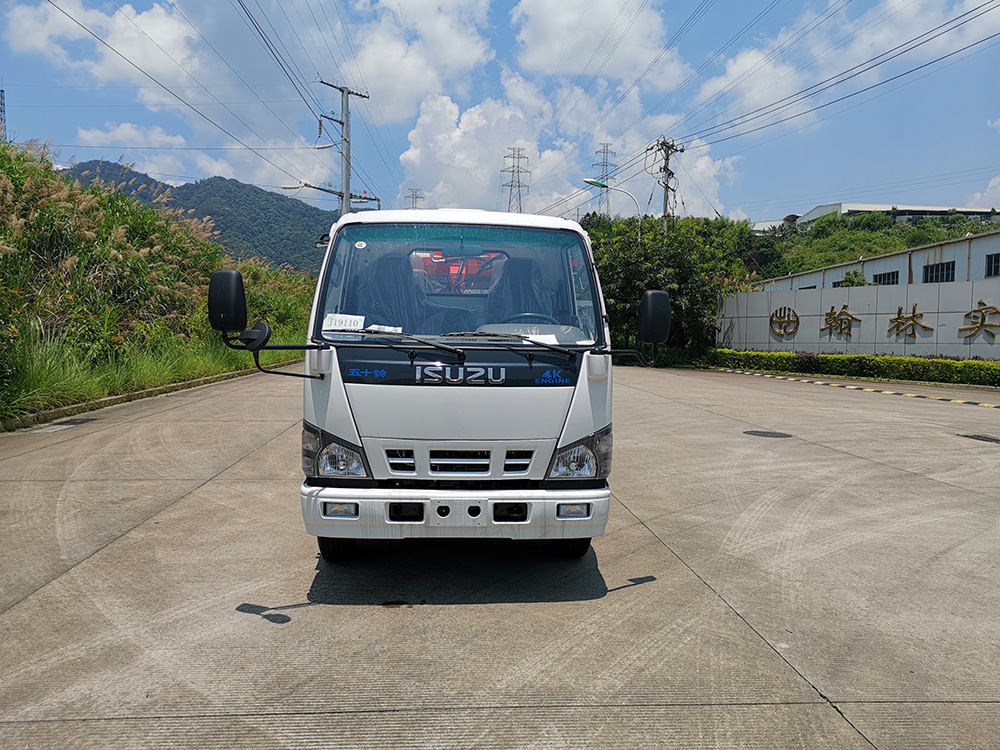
{"x": 341, "y": 322}
{"x": 543, "y": 338}
{"x": 384, "y": 329}
{"x": 360, "y": 245}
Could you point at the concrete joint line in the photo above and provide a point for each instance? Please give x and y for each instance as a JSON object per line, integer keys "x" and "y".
{"x": 746, "y": 622}
{"x": 408, "y": 711}
{"x": 294, "y": 426}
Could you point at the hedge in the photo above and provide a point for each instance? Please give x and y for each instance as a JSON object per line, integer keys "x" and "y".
{"x": 925, "y": 369}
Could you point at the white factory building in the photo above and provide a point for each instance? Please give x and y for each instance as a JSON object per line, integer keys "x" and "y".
{"x": 900, "y": 213}
{"x": 941, "y": 299}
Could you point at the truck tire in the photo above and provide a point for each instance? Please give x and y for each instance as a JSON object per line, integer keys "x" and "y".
{"x": 571, "y": 549}
{"x": 335, "y": 550}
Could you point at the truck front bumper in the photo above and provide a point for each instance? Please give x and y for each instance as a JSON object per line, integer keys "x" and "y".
{"x": 403, "y": 513}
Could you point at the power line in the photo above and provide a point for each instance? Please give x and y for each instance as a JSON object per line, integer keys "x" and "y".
{"x": 844, "y": 76}
{"x": 252, "y": 89}
{"x": 169, "y": 91}
{"x": 195, "y": 79}
{"x": 852, "y": 94}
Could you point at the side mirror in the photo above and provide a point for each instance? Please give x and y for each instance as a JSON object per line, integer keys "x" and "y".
{"x": 654, "y": 318}
{"x": 323, "y": 241}
{"x": 227, "y": 302}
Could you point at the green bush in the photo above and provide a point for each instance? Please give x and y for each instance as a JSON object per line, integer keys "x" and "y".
{"x": 100, "y": 295}
{"x": 880, "y": 367}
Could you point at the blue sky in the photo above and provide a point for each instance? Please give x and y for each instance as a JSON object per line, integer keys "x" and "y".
{"x": 187, "y": 89}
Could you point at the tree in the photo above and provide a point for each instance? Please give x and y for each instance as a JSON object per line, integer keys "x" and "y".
{"x": 854, "y": 277}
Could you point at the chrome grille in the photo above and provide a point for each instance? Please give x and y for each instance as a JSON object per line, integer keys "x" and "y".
{"x": 401, "y": 461}
{"x": 517, "y": 462}
{"x": 459, "y": 462}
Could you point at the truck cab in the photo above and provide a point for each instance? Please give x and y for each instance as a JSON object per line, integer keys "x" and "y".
{"x": 458, "y": 382}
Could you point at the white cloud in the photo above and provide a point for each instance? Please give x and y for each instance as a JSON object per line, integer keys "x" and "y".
{"x": 891, "y": 23}
{"x": 455, "y": 157}
{"x": 612, "y": 40}
{"x": 699, "y": 177}
{"x": 416, "y": 47}
{"x": 994, "y": 123}
{"x": 157, "y": 164}
{"x": 128, "y": 134}
{"x": 989, "y": 198}
{"x": 150, "y": 38}
{"x": 755, "y": 79}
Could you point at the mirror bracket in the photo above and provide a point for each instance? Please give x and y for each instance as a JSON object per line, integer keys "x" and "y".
{"x": 629, "y": 353}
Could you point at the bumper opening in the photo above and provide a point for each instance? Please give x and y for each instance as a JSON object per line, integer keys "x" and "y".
{"x": 510, "y": 512}
{"x": 406, "y": 512}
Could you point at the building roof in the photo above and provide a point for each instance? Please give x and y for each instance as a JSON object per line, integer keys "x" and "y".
{"x": 853, "y": 208}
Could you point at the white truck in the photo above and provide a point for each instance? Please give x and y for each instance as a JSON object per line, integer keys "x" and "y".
{"x": 457, "y": 379}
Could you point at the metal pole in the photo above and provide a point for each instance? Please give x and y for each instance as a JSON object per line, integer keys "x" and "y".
{"x": 345, "y": 149}
{"x": 605, "y": 186}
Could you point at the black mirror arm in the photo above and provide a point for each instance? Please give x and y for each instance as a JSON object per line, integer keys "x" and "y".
{"x": 256, "y": 361}
{"x": 629, "y": 353}
{"x": 240, "y": 344}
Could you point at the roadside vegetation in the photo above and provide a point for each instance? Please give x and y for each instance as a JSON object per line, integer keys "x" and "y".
{"x": 868, "y": 366}
{"x": 101, "y": 295}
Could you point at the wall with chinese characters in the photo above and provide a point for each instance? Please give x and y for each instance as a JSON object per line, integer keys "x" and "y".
{"x": 957, "y": 319}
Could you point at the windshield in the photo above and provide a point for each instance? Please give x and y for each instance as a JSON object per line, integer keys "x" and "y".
{"x": 446, "y": 279}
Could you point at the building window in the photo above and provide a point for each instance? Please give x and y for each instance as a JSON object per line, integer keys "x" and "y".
{"x": 938, "y": 273}
{"x": 808, "y": 287}
{"x": 837, "y": 284}
{"x": 890, "y": 278}
{"x": 993, "y": 265}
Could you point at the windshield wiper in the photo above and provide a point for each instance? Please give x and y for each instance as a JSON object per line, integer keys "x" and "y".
{"x": 515, "y": 336}
{"x": 398, "y": 334}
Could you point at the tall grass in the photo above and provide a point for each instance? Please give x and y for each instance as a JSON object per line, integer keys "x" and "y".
{"x": 100, "y": 295}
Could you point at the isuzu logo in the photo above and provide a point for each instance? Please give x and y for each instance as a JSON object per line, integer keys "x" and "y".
{"x": 462, "y": 375}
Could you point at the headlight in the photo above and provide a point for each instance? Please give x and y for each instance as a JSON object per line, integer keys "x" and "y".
{"x": 589, "y": 458}
{"x": 324, "y": 455}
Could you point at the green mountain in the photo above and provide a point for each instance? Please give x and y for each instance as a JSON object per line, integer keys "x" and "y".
{"x": 250, "y": 222}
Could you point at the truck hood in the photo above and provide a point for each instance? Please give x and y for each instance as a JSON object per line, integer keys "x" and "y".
{"x": 458, "y": 413}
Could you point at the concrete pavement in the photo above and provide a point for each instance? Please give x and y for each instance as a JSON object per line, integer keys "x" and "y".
{"x": 837, "y": 588}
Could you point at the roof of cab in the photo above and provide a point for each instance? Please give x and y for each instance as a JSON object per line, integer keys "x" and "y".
{"x": 458, "y": 216}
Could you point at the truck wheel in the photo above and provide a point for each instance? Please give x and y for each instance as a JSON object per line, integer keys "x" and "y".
{"x": 571, "y": 549}
{"x": 335, "y": 550}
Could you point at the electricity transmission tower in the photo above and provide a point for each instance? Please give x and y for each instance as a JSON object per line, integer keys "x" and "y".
{"x": 516, "y": 183}
{"x": 658, "y": 165}
{"x": 603, "y": 204}
{"x": 413, "y": 197}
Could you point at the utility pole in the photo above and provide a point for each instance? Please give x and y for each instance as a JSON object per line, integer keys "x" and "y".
{"x": 659, "y": 167}
{"x": 515, "y": 184}
{"x": 3, "y": 118}
{"x": 345, "y": 142}
{"x": 413, "y": 197}
{"x": 603, "y": 204}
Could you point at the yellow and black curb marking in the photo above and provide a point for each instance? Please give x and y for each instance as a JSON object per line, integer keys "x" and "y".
{"x": 847, "y": 387}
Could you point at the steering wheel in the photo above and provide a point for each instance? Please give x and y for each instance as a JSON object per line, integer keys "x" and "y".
{"x": 520, "y": 316}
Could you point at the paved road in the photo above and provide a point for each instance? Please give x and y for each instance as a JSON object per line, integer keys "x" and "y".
{"x": 834, "y": 589}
